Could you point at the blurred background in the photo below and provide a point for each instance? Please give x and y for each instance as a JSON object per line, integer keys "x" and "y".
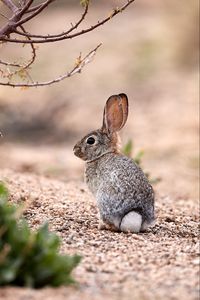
{"x": 149, "y": 52}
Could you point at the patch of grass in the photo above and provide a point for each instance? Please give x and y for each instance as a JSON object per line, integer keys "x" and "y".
{"x": 30, "y": 258}
{"x": 137, "y": 158}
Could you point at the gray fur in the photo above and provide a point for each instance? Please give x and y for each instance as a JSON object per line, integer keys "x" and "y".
{"x": 119, "y": 185}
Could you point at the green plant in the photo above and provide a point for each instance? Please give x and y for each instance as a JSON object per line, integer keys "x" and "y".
{"x": 30, "y": 258}
{"x": 128, "y": 151}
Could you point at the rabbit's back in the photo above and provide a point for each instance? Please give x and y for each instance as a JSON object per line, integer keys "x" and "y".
{"x": 120, "y": 186}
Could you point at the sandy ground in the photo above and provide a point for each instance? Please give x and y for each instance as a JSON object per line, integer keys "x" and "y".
{"x": 159, "y": 264}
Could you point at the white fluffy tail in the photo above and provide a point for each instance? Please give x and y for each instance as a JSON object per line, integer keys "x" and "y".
{"x": 132, "y": 222}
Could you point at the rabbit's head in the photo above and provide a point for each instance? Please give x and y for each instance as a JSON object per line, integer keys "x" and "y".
{"x": 105, "y": 140}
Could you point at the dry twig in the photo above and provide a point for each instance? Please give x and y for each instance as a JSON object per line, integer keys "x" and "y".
{"x": 79, "y": 65}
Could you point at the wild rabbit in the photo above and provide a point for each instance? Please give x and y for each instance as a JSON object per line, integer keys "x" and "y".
{"x": 125, "y": 198}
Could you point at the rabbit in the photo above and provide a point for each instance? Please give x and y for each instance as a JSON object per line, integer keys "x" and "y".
{"x": 125, "y": 198}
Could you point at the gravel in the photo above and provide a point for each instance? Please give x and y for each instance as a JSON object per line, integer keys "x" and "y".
{"x": 162, "y": 263}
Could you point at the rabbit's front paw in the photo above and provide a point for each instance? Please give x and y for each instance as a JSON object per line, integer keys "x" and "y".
{"x": 102, "y": 225}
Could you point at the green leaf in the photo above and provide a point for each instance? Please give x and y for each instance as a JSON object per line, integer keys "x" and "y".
{"x": 3, "y": 192}
{"x": 138, "y": 157}
{"x": 128, "y": 148}
{"x": 155, "y": 180}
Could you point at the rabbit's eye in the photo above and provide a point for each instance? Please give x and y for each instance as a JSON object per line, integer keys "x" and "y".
{"x": 90, "y": 140}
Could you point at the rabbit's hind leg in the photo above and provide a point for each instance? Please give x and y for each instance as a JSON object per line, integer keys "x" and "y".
{"x": 131, "y": 222}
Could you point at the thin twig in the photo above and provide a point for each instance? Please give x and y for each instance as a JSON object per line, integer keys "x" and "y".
{"x": 33, "y": 53}
{"x": 60, "y": 34}
{"x": 24, "y": 9}
{"x": 19, "y": 66}
{"x": 25, "y": 66}
{"x": 10, "y": 5}
{"x": 76, "y": 69}
{"x": 33, "y": 8}
{"x": 35, "y": 13}
{"x": 4, "y": 16}
{"x": 8, "y": 64}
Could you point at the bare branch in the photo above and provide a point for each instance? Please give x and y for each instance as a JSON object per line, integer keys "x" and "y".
{"x": 31, "y": 9}
{"x": 21, "y": 68}
{"x": 60, "y": 34}
{"x": 79, "y": 65}
{"x": 10, "y": 27}
{"x": 10, "y": 5}
{"x": 41, "y": 39}
{"x": 24, "y": 9}
{"x": 31, "y": 61}
{"x": 4, "y": 16}
{"x": 35, "y": 13}
{"x": 25, "y": 12}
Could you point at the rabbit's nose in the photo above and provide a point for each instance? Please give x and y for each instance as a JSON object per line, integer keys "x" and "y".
{"x": 76, "y": 149}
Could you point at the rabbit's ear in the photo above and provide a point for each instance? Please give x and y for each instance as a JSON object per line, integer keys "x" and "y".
{"x": 115, "y": 113}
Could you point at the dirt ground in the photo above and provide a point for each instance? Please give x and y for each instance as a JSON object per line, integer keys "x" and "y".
{"x": 159, "y": 264}
{"x": 148, "y": 53}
